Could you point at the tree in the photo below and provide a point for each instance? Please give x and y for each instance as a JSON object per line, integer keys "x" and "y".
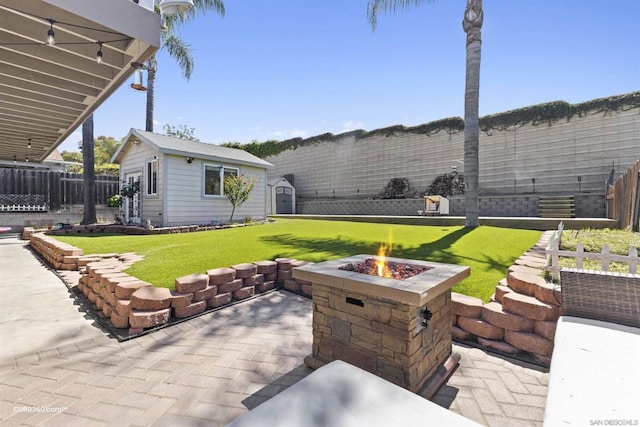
{"x": 180, "y": 131}
{"x": 177, "y": 48}
{"x": 472, "y": 25}
{"x": 237, "y": 189}
{"x": 89, "y": 175}
{"x": 104, "y": 148}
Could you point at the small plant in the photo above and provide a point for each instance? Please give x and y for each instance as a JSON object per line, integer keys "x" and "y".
{"x": 237, "y": 189}
{"x": 114, "y": 201}
{"x": 130, "y": 190}
{"x": 248, "y": 219}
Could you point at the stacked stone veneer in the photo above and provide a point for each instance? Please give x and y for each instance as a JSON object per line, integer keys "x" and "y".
{"x": 521, "y": 317}
{"x": 381, "y": 336}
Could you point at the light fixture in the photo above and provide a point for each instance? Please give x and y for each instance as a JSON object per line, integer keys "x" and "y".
{"x": 189, "y": 160}
{"x": 137, "y": 81}
{"x": 51, "y": 40}
{"x": 174, "y": 7}
{"x": 26, "y": 159}
{"x": 15, "y": 160}
{"x": 29, "y": 143}
{"x": 99, "y": 54}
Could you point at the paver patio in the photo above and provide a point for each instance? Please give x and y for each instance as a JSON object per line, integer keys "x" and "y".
{"x": 211, "y": 369}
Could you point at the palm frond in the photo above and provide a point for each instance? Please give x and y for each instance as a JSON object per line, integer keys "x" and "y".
{"x": 200, "y": 7}
{"x": 179, "y": 50}
{"x": 374, "y": 7}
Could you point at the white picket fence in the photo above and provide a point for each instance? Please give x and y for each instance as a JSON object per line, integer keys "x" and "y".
{"x": 554, "y": 253}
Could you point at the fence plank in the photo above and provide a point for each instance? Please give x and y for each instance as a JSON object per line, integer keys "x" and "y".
{"x": 622, "y": 198}
{"x": 605, "y": 257}
{"x": 59, "y": 189}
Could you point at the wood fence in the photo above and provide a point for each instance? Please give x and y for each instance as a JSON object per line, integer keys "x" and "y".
{"x": 37, "y": 190}
{"x": 623, "y": 198}
{"x": 554, "y": 253}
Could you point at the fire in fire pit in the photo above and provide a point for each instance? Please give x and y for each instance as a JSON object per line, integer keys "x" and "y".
{"x": 392, "y": 270}
{"x": 379, "y": 266}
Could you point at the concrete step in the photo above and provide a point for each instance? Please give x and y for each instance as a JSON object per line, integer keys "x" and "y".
{"x": 556, "y": 207}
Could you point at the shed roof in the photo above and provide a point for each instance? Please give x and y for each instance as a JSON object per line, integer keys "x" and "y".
{"x": 183, "y": 147}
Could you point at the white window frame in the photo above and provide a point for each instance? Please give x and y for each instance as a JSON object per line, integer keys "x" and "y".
{"x": 151, "y": 187}
{"x": 221, "y": 175}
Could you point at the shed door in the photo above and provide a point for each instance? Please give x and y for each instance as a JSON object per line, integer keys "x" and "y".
{"x": 132, "y": 205}
{"x": 284, "y": 200}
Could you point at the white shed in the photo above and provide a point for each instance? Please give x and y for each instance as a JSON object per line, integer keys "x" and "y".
{"x": 181, "y": 182}
{"x": 281, "y": 197}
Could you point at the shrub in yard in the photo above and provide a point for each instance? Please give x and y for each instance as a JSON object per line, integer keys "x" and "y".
{"x": 237, "y": 189}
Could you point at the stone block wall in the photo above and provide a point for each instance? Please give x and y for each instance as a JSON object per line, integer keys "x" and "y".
{"x": 130, "y": 303}
{"x": 555, "y": 154}
{"x": 516, "y": 205}
{"x": 60, "y": 256}
{"x": 522, "y": 315}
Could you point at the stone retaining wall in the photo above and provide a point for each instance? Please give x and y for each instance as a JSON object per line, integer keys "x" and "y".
{"x": 521, "y": 318}
{"x": 130, "y": 303}
{"x": 513, "y": 205}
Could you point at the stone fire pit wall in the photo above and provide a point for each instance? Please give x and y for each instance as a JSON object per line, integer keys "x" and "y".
{"x": 375, "y": 323}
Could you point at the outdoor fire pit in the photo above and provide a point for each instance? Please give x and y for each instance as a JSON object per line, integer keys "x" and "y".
{"x": 397, "y": 328}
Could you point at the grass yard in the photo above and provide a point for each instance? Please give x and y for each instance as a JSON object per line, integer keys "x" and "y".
{"x": 619, "y": 242}
{"x": 489, "y": 251}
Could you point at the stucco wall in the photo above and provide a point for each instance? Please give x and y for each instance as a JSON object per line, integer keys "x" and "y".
{"x": 555, "y": 155}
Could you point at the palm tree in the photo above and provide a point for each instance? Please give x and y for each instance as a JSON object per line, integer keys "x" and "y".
{"x": 177, "y": 48}
{"x": 88, "y": 173}
{"x": 472, "y": 25}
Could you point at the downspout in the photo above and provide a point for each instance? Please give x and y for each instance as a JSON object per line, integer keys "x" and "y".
{"x": 165, "y": 190}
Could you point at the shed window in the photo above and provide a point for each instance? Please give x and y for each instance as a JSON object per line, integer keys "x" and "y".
{"x": 214, "y": 179}
{"x": 152, "y": 177}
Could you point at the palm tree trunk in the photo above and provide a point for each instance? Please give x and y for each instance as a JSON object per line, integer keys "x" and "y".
{"x": 152, "y": 66}
{"x": 89, "y": 173}
{"x": 472, "y": 25}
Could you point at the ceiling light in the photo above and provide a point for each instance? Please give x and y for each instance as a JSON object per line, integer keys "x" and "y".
{"x": 51, "y": 34}
{"x": 29, "y": 143}
{"x": 99, "y": 54}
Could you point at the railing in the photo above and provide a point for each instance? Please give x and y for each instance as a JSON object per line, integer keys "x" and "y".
{"x": 554, "y": 253}
{"x": 23, "y": 203}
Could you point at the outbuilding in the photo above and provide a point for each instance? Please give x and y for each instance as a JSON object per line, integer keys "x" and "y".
{"x": 281, "y": 197}
{"x": 181, "y": 182}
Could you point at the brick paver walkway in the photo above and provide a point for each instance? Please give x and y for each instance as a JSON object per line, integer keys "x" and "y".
{"x": 209, "y": 370}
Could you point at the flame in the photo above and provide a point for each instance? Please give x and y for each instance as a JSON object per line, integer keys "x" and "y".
{"x": 381, "y": 264}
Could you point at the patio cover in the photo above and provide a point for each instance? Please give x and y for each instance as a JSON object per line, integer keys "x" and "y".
{"x": 46, "y": 92}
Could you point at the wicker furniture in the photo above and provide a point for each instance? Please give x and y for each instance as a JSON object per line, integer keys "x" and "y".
{"x": 606, "y": 296}
{"x": 594, "y": 376}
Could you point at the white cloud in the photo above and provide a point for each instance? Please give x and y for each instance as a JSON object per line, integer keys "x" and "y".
{"x": 350, "y": 125}
{"x": 290, "y": 133}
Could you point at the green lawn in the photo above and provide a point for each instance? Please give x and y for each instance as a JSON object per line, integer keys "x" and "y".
{"x": 619, "y": 242}
{"x": 489, "y": 251}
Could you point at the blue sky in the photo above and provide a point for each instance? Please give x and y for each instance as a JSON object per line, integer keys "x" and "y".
{"x": 277, "y": 69}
